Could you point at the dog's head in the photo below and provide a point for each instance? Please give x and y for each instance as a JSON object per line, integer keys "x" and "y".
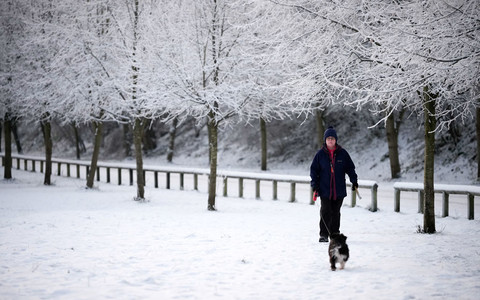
{"x": 338, "y": 237}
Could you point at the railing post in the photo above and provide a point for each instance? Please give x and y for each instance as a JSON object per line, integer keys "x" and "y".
{"x": 41, "y": 166}
{"x": 195, "y": 182}
{"x": 130, "y": 174}
{"x": 168, "y": 180}
{"x": 471, "y": 207}
{"x": 33, "y": 165}
{"x": 59, "y": 168}
{"x": 225, "y": 186}
{"x": 25, "y": 161}
{"x": 421, "y": 200}
{"x": 78, "y": 170}
{"x": 354, "y": 198}
{"x": 119, "y": 176}
{"x": 274, "y": 186}
{"x": 374, "y": 198}
{"x": 182, "y": 179}
{"x": 68, "y": 170}
{"x": 396, "y": 200}
{"x": 240, "y": 187}
{"x": 257, "y": 189}
{"x": 98, "y": 174}
{"x": 155, "y": 179}
{"x": 108, "y": 174}
{"x": 18, "y": 163}
{"x": 445, "y": 203}
{"x": 292, "y": 192}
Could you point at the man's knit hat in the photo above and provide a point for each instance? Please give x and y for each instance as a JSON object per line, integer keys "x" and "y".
{"x": 330, "y": 132}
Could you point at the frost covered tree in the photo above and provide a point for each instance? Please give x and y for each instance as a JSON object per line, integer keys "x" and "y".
{"x": 391, "y": 55}
{"x": 98, "y": 66}
{"x": 215, "y": 62}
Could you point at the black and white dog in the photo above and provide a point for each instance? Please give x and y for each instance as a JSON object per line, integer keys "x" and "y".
{"x": 338, "y": 250}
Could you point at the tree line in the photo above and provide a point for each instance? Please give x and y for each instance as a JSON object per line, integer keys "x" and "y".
{"x": 225, "y": 62}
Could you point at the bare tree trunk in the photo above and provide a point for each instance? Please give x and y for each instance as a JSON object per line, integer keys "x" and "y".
{"x": 149, "y": 138}
{"x": 171, "y": 144}
{"x": 213, "y": 149}
{"x": 47, "y": 136}
{"x": 98, "y": 127}
{"x": 127, "y": 140}
{"x": 477, "y": 123}
{"x": 16, "y": 137}
{"x": 428, "y": 181}
{"x": 7, "y": 171}
{"x": 79, "y": 145}
{"x": 137, "y": 140}
{"x": 320, "y": 127}
{"x": 263, "y": 142}
{"x": 392, "y": 140}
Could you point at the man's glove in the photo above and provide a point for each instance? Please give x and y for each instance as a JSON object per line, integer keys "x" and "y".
{"x": 354, "y": 186}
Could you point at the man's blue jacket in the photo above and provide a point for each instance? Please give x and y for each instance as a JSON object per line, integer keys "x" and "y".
{"x": 322, "y": 169}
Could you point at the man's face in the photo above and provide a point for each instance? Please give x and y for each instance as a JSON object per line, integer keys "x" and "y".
{"x": 331, "y": 142}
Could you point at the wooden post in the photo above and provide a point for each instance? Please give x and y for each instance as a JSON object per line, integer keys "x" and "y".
{"x": 168, "y": 180}
{"x": 68, "y": 170}
{"x": 119, "y": 176}
{"x": 257, "y": 189}
{"x": 354, "y": 198}
{"x": 78, "y": 171}
{"x": 240, "y": 187}
{"x": 33, "y": 165}
{"x": 98, "y": 174}
{"x": 59, "y": 168}
{"x": 195, "y": 182}
{"x": 18, "y": 163}
{"x": 445, "y": 203}
{"x": 155, "y": 179}
{"x": 374, "y": 207}
{"x": 41, "y": 166}
{"x": 421, "y": 201}
{"x": 108, "y": 174}
{"x": 225, "y": 186}
{"x": 130, "y": 173}
{"x": 25, "y": 161}
{"x": 182, "y": 180}
{"x": 471, "y": 207}
{"x": 274, "y": 186}
{"x": 292, "y": 192}
{"x": 396, "y": 200}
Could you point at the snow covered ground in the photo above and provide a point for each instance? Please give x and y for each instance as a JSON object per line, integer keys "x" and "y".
{"x": 65, "y": 242}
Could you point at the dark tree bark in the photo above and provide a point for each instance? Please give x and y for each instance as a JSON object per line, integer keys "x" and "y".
{"x": 137, "y": 140}
{"x": 79, "y": 144}
{"x": 47, "y": 137}
{"x": 213, "y": 150}
{"x": 7, "y": 171}
{"x": 477, "y": 123}
{"x": 263, "y": 142}
{"x": 15, "y": 136}
{"x": 127, "y": 140}
{"x": 320, "y": 127}
{"x": 171, "y": 144}
{"x": 392, "y": 129}
{"x": 428, "y": 181}
{"x": 98, "y": 127}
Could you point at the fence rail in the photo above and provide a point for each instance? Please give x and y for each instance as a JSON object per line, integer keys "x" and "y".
{"x": 31, "y": 163}
{"x": 444, "y": 189}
